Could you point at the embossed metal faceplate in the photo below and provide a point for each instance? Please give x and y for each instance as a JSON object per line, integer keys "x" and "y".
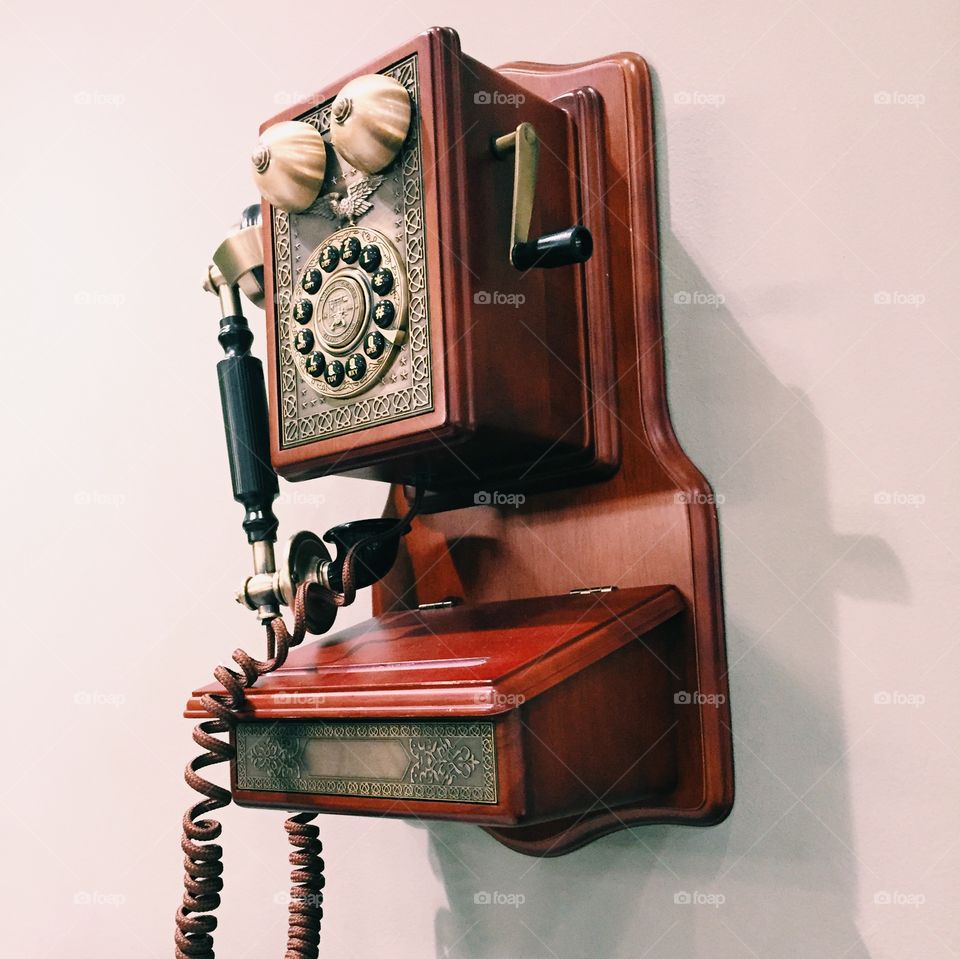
{"x": 431, "y": 761}
{"x": 397, "y": 211}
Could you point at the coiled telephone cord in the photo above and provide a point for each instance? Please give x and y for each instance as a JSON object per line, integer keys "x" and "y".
{"x": 203, "y": 875}
{"x": 203, "y": 857}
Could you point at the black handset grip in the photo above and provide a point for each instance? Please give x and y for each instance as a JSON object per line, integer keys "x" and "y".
{"x": 565, "y": 248}
{"x": 243, "y": 398}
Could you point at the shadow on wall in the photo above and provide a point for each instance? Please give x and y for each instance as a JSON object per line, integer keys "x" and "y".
{"x": 781, "y": 874}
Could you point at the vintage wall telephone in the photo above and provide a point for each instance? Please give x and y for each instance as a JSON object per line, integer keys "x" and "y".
{"x": 460, "y": 277}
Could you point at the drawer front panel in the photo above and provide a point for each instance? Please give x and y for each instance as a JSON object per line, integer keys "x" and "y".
{"x": 426, "y": 760}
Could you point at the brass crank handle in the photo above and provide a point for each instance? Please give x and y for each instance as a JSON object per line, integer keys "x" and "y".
{"x": 563, "y": 248}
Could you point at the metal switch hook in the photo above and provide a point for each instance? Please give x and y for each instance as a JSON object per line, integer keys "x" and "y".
{"x": 564, "y": 248}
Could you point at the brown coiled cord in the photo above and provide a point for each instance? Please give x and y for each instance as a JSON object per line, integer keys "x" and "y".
{"x": 203, "y": 876}
{"x": 203, "y": 858}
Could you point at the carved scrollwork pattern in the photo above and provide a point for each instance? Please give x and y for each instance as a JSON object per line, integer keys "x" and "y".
{"x": 278, "y": 757}
{"x": 440, "y": 761}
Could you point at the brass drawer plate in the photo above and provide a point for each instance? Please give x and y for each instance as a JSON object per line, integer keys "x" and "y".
{"x": 428, "y": 761}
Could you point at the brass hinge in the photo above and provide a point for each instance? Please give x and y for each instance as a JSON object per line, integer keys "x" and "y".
{"x": 442, "y": 604}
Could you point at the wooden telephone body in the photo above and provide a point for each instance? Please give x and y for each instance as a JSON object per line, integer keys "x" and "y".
{"x": 490, "y": 378}
{"x": 546, "y": 657}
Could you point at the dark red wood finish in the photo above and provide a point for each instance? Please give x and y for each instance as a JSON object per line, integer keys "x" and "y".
{"x": 654, "y": 522}
{"x": 580, "y": 693}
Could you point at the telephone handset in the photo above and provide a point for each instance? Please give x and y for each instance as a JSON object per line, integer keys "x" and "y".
{"x": 458, "y": 270}
{"x": 309, "y": 581}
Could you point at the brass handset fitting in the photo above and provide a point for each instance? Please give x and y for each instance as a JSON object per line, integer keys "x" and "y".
{"x": 306, "y": 561}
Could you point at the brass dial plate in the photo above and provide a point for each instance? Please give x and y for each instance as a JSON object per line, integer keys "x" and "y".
{"x": 342, "y": 314}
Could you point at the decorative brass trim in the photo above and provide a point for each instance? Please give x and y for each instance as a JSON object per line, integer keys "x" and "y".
{"x": 444, "y": 762}
{"x": 407, "y": 387}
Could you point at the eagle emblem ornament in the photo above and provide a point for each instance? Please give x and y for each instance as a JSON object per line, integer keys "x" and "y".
{"x": 349, "y": 208}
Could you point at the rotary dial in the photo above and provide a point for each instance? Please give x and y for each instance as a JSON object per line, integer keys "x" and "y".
{"x": 350, "y": 313}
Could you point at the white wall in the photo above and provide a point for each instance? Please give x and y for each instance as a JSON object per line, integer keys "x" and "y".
{"x": 799, "y": 200}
